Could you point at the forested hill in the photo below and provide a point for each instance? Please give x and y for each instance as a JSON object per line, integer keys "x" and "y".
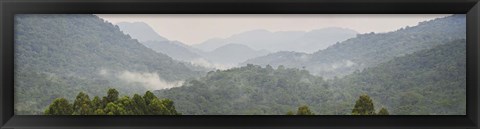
{"x": 426, "y": 82}
{"x": 250, "y": 90}
{"x": 368, "y": 50}
{"x": 430, "y": 81}
{"x": 56, "y": 55}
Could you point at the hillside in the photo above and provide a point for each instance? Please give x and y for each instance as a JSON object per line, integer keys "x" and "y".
{"x": 248, "y": 90}
{"x": 430, "y": 81}
{"x": 426, "y": 82}
{"x": 56, "y": 55}
{"x": 369, "y": 50}
{"x": 300, "y": 41}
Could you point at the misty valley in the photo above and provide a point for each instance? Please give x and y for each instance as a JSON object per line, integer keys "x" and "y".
{"x": 83, "y": 64}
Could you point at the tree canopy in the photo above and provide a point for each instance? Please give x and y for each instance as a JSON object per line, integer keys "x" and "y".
{"x": 112, "y": 105}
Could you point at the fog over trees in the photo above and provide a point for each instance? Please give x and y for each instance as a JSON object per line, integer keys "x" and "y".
{"x": 80, "y": 64}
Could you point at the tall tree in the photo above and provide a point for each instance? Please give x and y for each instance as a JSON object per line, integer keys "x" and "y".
{"x": 157, "y": 108}
{"x": 97, "y": 103}
{"x": 82, "y": 105}
{"x": 169, "y": 105}
{"x": 114, "y": 109}
{"x": 140, "y": 105}
{"x": 383, "y": 111}
{"x": 304, "y": 110}
{"x": 112, "y": 95}
{"x": 99, "y": 112}
{"x": 121, "y": 106}
{"x": 290, "y": 113}
{"x": 364, "y": 106}
{"x": 149, "y": 97}
{"x": 60, "y": 106}
{"x": 127, "y": 104}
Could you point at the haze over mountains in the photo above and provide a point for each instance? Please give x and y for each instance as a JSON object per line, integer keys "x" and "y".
{"x": 429, "y": 82}
{"x": 417, "y": 70}
{"x": 408, "y": 71}
{"x": 227, "y": 53}
{"x": 368, "y": 50}
{"x": 226, "y": 56}
{"x": 299, "y": 41}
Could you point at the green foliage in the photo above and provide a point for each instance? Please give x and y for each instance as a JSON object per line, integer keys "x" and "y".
{"x": 304, "y": 110}
{"x": 251, "y": 90}
{"x": 114, "y": 109}
{"x": 82, "y": 105}
{"x": 290, "y": 113}
{"x": 120, "y": 106}
{"x": 100, "y": 112}
{"x": 383, "y": 111}
{"x": 149, "y": 97}
{"x": 364, "y": 106}
{"x": 416, "y": 70}
{"x": 430, "y": 81}
{"x": 427, "y": 82}
{"x": 57, "y": 54}
{"x": 59, "y": 106}
{"x": 97, "y": 103}
{"x": 112, "y": 95}
{"x": 141, "y": 105}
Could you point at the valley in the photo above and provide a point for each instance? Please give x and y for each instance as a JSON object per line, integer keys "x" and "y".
{"x": 414, "y": 70}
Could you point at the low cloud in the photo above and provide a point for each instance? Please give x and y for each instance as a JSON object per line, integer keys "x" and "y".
{"x": 343, "y": 64}
{"x": 151, "y": 81}
{"x": 205, "y": 63}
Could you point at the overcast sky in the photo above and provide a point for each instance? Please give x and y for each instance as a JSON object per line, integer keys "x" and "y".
{"x": 196, "y": 28}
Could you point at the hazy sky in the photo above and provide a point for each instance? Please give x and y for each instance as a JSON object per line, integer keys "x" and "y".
{"x": 196, "y": 28}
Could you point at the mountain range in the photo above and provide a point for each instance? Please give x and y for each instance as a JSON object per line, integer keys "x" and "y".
{"x": 299, "y": 41}
{"x": 370, "y": 49}
{"x": 225, "y": 56}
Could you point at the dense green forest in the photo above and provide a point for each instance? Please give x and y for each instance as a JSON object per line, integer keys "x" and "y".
{"x": 430, "y": 81}
{"x": 149, "y": 104}
{"x": 418, "y": 70}
{"x": 112, "y": 104}
{"x": 56, "y": 55}
{"x": 250, "y": 90}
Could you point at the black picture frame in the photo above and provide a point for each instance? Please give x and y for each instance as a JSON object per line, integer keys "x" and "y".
{"x": 9, "y": 8}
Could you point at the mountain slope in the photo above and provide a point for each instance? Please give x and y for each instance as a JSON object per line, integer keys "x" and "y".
{"x": 430, "y": 81}
{"x": 368, "y": 50}
{"x": 299, "y": 41}
{"x": 56, "y": 55}
{"x": 248, "y": 90}
{"x": 140, "y": 31}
